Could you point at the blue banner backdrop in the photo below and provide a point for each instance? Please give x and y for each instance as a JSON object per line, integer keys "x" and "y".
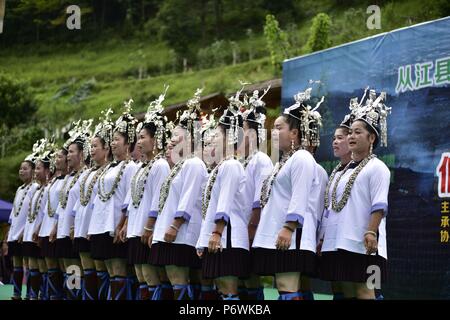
{"x": 412, "y": 65}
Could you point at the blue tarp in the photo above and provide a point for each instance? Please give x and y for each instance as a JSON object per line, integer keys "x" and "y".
{"x": 412, "y": 65}
{"x": 5, "y": 210}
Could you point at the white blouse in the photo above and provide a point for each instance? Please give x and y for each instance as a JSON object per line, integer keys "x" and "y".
{"x": 149, "y": 205}
{"x": 319, "y": 200}
{"x": 65, "y": 216}
{"x": 48, "y": 222}
{"x": 39, "y": 200}
{"x": 106, "y": 215}
{"x": 258, "y": 169}
{"x": 345, "y": 229}
{"x": 17, "y": 220}
{"x": 226, "y": 202}
{"x": 294, "y": 197}
{"x": 82, "y": 214}
{"x": 184, "y": 200}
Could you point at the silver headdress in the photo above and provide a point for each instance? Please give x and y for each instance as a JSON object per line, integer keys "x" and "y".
{"x": 126, "y": 123}
{"x": 310, "y": 119}
{"x": 232, "y": 114}
{"x": 80, "y": 134}
{"x": 154, "y": 116}
{"x": 32, "y": 157}
{"x": 104, "y": 128}
{"x": 374, "y": 112}
{"x": 254, "y": 114}
{"x": 190, "y": 117}
{"x": 208, "y": 126}
{"x": 44, "y": 151}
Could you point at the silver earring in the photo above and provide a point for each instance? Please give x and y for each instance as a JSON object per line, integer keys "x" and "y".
{"x": 292, "y": 145}
{"x": 371, "y": 149}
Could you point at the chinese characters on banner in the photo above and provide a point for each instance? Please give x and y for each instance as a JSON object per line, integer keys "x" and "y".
{"x": 443, "y": 173}
{"x": 421, "y": 75}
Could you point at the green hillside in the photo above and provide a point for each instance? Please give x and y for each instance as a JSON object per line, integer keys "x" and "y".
{"x": 77, "y": 78}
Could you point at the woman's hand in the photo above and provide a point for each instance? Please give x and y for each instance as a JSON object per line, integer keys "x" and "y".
{"x": 170, "y": 235}
{"x": 284, "y": 239}
{"x": 319, "y": 248}
{"x": 117, "y": 235}
{"x": 200, "y": 253}
{"x": 145, "y": 236}
{"x": 214, "y": 243}
{"x": 371, "y": 243}
{"x": 150, "y": 240}
{"x": 52, "y": 236}
{"x": 123, "y": 234}
{"x": 251, "y": 232}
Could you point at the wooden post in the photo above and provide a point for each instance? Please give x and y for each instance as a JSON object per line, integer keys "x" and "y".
{"x": 184, "y": 65}
{"x": 2, "y": 14}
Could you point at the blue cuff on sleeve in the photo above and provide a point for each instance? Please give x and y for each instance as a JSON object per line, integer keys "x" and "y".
{"x": 380, "y": 206}
{"x": 256, "y": 205}
{"x": 73, "y": 213}
{"x": 294, "y": 217}
{"x": 124, "y": 206}
{"x": 183, "y": 214}
{"x": 56, "y": 216}
{"x": 222, "y": 216}
{"x": 153, "y": 214}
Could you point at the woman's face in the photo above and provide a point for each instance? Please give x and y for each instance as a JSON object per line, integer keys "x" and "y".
{"x": 119, "y": 147}
{"x": 340, "y": 143}
{"x": 74, "y": 157}
{"x": 41, "y": 173}
{"x": 25, "y": 172}
{"x": 250, "y": 139}
{"x": 145, "y": 142}
{"x": 209, "y": 148}
{"x": 359, "y": 138}
{"x": 282, "y": 135}
{"x": 176, "y": 144}
{"x": 61, "y": 161}
{"x": 99, "y": 152}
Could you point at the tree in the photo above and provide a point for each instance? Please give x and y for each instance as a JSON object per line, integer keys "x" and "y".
{"x": 16, "y": 102}
{"x": 319, "y": 33}
{"x": 180, "y": 26}
{"x": 277, "y": 41}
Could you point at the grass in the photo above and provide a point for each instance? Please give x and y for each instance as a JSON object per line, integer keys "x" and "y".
{"x": 114, "y": 63}
{"x": 269, "y": 294}
{"x": 182, "y": 86}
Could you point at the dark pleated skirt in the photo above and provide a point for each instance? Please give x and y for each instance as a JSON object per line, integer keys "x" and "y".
{"x": 15, "y": 249}
{"x": 342, "y": 265}
{"x": 48, "y": 249}
{"x": 268, "y": 262}
{"x": 138, "y": 253}
{"x": 181, "y": 255}
{"x": 64, "y": 249}
{"x": 31, "y": 250}
{"x": 228, "y": 262}
{"x": 103, "y": 248}
{"x": 81, "y": 245}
